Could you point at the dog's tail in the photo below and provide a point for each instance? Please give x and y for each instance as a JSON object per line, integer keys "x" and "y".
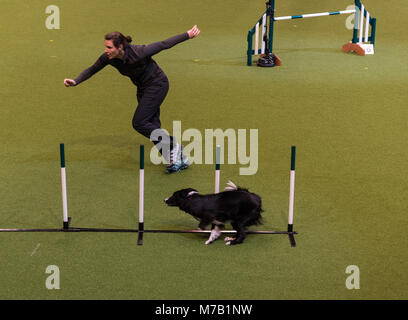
{"x": 233, "y": 187}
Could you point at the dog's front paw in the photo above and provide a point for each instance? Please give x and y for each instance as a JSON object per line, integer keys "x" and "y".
{"x": 208, "y": 242}
{"x": 228, "y": 239}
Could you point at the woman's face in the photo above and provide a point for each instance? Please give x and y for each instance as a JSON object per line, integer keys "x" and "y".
{"x": 111, "y": 50}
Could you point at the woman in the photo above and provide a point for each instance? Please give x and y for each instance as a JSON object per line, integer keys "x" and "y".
{"x": 135, "y": 62}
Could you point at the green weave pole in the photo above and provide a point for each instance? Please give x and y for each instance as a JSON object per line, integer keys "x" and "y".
{"x": 141, "y": 156}
{"x": 292, "y": 161}
{"x": 218, "y": 158}
{"x": 62, "y": 154}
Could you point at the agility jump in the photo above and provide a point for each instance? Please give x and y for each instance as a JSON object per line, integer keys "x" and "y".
{"x": 66, "y": 220}
{"x": 362, "y": 41}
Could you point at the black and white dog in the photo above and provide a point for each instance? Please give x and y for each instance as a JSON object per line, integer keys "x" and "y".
{"x": 235, "y": 205}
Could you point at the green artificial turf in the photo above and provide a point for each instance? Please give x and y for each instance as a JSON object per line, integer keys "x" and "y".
{"x": 346, "y": 114}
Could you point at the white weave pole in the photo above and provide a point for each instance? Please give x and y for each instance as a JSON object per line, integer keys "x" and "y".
{"x": 141, "y": 196}
{"x": 217, "y": 169}
{"x": 292, "y": 189}
{"x": 64, "y": 189}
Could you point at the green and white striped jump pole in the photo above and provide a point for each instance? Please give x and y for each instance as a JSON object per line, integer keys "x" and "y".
{"x": 312, "y": 15}
{"x": 64, "y": 189}
{"x": 141, "y": 197}
{"x": 292, "y": 189}
{"x": 217, "y": 169}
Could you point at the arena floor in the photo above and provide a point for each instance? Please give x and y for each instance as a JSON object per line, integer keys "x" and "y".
{"x": 345, "y": 113}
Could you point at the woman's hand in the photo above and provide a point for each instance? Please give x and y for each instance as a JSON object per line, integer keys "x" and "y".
{"x": 69, "y": 82}
{"x": 193, "y": 32}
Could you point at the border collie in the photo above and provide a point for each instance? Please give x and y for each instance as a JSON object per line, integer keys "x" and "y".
{"x": 235, "y": 205}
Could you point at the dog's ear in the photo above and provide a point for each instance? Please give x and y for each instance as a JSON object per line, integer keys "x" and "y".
{"x": 189, "y": 191}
